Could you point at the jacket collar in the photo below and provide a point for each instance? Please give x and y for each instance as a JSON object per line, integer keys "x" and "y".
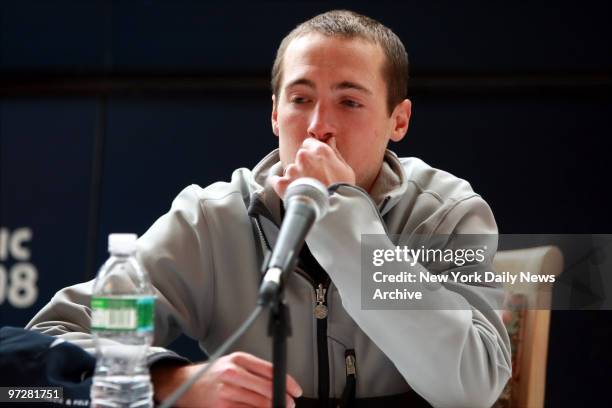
{"x": 390, "y": 184}
{"x": 388, "y": 188}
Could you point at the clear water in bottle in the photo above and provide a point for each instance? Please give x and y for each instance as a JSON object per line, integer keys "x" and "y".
{"x": 122, "y": 325}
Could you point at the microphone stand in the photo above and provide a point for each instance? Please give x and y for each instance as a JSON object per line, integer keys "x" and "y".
{"x": 271, "y": 294}
{"x": 279, "y": 328}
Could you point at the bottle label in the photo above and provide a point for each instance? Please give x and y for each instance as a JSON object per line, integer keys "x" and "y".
{"x": 122, "y": 313}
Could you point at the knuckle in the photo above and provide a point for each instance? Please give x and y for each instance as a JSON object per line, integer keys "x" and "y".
{"x": 236, "y": 357}
{"x": 321, "y": 149}
{"x": 302, "y": 154}
{"x": 292, "y": 170}
{"x": 299, "y": 168}
{"x": 230, "y": 373}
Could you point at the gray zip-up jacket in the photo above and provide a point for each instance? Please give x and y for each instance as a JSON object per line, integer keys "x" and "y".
{"x": 204, "y": 258}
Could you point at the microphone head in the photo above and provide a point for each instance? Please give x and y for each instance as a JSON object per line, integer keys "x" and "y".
{"x": 309, "y": 190}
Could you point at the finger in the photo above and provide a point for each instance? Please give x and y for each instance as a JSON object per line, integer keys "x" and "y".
{"x": 327, "y": 150}
{"x": 273, "y": 180}
{"x": 293, "y": 388}
{"x": 241, "y": 377}
{"x": 264, "y": 368}
{"x": 331, "y": 142}
{"x": 254, "y": 364}
{"x": 233, "y": 393}
{"x": 302, "y": 156}
{"x": 245, "y": 379}
{"x": 312, "y": 144}
{"x": 292, "y": 171}
{"x": 279, "y": 184}
{"x": 246, "y": 398}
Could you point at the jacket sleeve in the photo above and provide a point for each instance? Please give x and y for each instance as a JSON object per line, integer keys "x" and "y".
{"x": 176, "y": 254}
{"x": 454, "y": 350}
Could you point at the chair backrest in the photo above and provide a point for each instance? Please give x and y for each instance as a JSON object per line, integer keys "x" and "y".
{"x": 529, "y": 321}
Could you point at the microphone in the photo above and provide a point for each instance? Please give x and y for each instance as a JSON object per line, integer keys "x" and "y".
{"x": 306, "y": 201}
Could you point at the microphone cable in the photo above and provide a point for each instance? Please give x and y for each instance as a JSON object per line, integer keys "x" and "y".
{"x": 168, "y": 402}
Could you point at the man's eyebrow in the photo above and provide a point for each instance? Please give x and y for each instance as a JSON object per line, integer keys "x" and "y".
{"x": 352, "y": 85}
{"x": 301, "y": 81}
{"x": 338, "y": 87}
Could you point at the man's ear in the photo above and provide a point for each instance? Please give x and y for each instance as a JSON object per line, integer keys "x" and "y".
{"x": 274, "y": 117}
{"x": 401, "y": 118}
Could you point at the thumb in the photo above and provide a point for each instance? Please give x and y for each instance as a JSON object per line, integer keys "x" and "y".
{"x": 331, "y": 142}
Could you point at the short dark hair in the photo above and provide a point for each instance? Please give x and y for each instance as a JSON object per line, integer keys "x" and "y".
{"x": 348, "y": 24}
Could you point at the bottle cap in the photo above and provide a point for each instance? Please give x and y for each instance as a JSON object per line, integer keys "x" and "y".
{"x": 122, "y": 243}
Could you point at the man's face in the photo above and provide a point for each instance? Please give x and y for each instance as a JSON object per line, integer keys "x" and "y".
{"x": 333, "y": 87}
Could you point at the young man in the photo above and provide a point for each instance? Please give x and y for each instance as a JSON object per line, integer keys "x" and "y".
{"x": 339, "y": 89}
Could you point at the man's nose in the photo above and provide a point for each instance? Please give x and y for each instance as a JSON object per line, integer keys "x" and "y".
{"x": 321, "y": 124}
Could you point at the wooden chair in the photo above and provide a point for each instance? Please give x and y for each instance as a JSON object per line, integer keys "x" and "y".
{"x": 528, "y": 319}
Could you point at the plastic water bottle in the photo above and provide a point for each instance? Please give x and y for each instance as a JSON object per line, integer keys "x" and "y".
{"x": 122, "y": 306}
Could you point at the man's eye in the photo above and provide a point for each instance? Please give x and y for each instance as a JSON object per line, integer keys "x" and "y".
{"x": 351, "y": 104}
{"x": 298, "y": 100}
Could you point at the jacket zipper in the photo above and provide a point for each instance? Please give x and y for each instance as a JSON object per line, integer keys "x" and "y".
{"x": 383, "y": 205}
{"x": 261, "y": 234}
{"x": 350, "y": 389}
{"x": 320, "y": 312}
{"x": 320, "y": 309}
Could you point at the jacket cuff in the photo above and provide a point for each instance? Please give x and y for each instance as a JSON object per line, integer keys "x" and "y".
{"x": 166, "y": 356}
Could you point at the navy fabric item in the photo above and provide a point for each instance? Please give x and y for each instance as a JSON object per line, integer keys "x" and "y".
{"x": 31, "y": 359}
